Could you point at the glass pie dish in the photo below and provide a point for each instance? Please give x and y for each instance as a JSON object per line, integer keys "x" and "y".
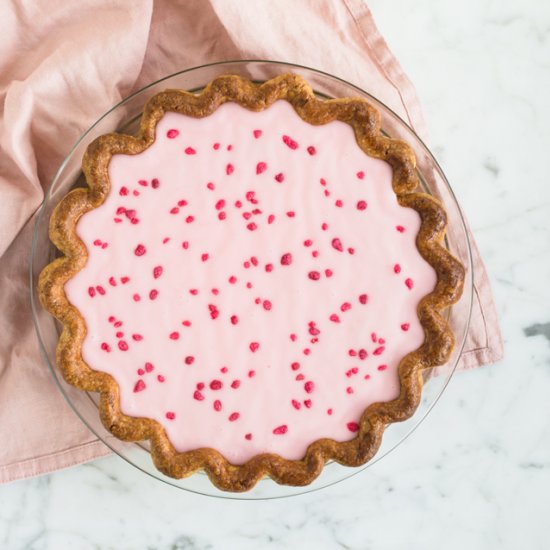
{"x": 124, "y": 117}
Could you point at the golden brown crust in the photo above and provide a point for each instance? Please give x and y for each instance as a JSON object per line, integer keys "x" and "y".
{"x": 434, "y": 351}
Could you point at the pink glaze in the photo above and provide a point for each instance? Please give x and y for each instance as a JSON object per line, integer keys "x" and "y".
{"x": 261, "y": 309}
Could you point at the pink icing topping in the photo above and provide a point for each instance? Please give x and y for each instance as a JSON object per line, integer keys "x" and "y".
{"x": 252, "y": 282}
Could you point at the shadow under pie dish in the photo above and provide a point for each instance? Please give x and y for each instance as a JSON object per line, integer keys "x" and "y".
{"x": 253, "y": 283}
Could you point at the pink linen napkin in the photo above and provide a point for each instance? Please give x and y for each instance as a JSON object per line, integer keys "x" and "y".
{"x": 63, "y": 65}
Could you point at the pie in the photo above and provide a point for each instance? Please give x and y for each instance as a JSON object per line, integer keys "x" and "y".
{"x": 254, "y": 283}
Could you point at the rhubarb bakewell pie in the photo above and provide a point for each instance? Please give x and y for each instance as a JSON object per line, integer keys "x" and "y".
{"x": 254, "y": 282}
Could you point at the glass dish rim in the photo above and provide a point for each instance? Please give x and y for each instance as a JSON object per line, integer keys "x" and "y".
{"x": 467, "y": 293}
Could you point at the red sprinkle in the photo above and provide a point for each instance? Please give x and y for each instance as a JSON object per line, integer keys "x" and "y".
{"x": 307, "y": 403}
{"x": 140, "y": 250}
{"x": 363, "y": 354}
{"x": 337, "y": 245}
{"x": 379, "y": 350}
{"x": 136, "y": 297}
{"x": 153, "y": 294}
{"x": 363, "y": 299}
{"x": 353, "y": 426}
{"x": 157, "y": 271}
{"x": 210, "y": 186}
{"x": 382, "y": 367}
{"x": 155, "y": 183}
{"x": 261, "y": 167}
{"x": 248, "y": 437}
{"x": 173, "y": 133}
{"x": 112, "y": 281}
{"x": 314, "y": 275}
{"x": 174, "y": 335}
{"x": 254, "y": 346}
{"x": 214, "y": 313}
{"x": 269, "y": 268}
{"x": 193, "y": 291}
{"x": 139, "y": 386}
{"x": 329, "y": 412}
{"x": 216, "y": 146}
{"x": 205, "y": 257}
{"x": 234, "y": 416}
{"x": 408, "y": 283}
{"x": 309, "y": 386}
{"x": 189, "y": 219}
{"x": 252, "y": 226}
{"x": 185, "y": 245}
{"x": 296, "y": 404}
{"x": 311, "y": 150}
{"x": 122, "y": 345}
{"x": 235, "y": 384}
{"x": 397, "y": 269}
{"x": 267, "y": 305}
{"x": 280, "y": 177}
{"x": 295, "y": 366}
{"x": 229, "y": 169}
{"x": 220, "y": 204}
{"x": 149, "y": 367}
{"x": 334, "y": 318}
{"x": 217, "y": 405}
{"x": 216, "y": 385}
{"x": 189, "y": 360}
{"x": 308, "y": 242}
{"x": 257, "y": 133}
{"x": 161, "y": 378}
{"x": 361, "y": 175}
{"x": 328, "y": 272}
{"x": 400, "y": 228}
{"x": 349, "y": 390}
{"x": 361, "y": 205}
{"x": 234, "y": 319}
{"x": 170, "y": 415}
{"x": 290, "y": 213}
{"x": 124, "y": 280}
{"x": 286, "y": 259}
{"x": 339, "y": 203}
{"x": 405, "y": 327}
{"x": 289, "y": 142}
{"x": 123, "y": 191}
{"x": 91, "y": 291}
{"x": 232, "y": 279}
{"x": 190, "y": 151}
{"x": 198, "y": 395}
{"x": 106, "y": 347}
{"x": 281, "y": 430}
{"x": 345, "y": 306}
{"x": 137, "y": 337}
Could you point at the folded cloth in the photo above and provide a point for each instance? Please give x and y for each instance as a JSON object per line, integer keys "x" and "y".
{"x": 66, "y": 63}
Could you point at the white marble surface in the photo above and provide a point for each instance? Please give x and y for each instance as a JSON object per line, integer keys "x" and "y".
{"x": 476, "y": 474}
